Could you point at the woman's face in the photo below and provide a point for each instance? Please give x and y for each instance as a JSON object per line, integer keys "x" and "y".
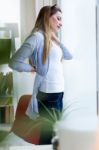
{"x": 56, "y": 21}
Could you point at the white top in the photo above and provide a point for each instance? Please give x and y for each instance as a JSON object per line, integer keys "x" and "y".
{"x": 54, "y": 79}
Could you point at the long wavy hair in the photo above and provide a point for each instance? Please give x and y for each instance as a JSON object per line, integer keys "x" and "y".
{"x": 42, "y": 23}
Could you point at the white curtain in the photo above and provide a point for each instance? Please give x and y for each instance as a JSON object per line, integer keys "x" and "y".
{"x": 79, "y": 35}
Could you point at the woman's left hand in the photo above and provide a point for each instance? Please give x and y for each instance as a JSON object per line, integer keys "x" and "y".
{"x": 55, "y": 38}
{"x": 33, "y": 67}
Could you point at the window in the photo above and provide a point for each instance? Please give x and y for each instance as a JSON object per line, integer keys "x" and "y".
{"x": 79, "y": 35}
{"x": 9, "y": 11}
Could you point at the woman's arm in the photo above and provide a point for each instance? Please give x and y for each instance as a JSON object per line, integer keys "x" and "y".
{"x": 66, "y": 53}
{"x": 17, "y": 62}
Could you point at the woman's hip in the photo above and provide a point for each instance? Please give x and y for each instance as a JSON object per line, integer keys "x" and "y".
{"x": 50, "y": 100}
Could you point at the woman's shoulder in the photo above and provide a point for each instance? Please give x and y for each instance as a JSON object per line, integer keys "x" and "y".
{"x": 38, "y": 34}
{"x": 35, "y": 37}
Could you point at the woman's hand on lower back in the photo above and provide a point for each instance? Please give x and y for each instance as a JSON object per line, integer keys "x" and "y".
{"x": 33, "y": 67}
{"x": 33, "y": 70}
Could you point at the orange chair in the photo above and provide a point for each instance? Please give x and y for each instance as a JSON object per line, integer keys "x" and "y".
{"x": 23, "y": 126}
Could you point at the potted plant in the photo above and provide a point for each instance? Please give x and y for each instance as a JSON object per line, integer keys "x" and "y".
{"x": 53, "y": 118}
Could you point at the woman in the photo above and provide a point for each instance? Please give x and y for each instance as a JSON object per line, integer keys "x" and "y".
{"x": 45, "y": 52}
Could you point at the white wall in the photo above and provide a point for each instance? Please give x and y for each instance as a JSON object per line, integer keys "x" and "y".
{"x": 27, "y": 17}
{"x": 79, "y": 35}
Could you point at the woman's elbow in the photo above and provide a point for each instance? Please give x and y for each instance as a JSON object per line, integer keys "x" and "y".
{"x": 13, "y": 65}
{"x": 68, "y": 57}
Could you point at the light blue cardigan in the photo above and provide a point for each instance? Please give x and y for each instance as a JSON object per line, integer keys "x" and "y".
{"x": 32, "y": 48}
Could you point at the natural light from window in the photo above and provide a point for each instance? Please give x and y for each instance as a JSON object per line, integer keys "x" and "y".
{"x": 9, "y": 11}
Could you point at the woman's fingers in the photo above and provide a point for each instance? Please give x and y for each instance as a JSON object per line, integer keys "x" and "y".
{"x": 33, "y": 69}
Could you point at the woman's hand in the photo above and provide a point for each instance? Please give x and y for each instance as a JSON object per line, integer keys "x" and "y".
{"x": 33, "y": 70}
{"x": 55, "y": 38}
{"x": 33, "y": 67}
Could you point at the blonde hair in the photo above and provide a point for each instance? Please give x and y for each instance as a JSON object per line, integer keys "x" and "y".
{"x": 42, "y": 23}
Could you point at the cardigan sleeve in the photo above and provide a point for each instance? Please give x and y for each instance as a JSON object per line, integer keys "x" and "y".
{"x": 32, "y": 109}
{"x": 66, "y": 54}
{"x": 17, "y": 62}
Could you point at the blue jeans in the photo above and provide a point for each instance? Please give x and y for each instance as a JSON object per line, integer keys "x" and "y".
{"x": 50, "y": 107}
{"x": 51, "y": 100}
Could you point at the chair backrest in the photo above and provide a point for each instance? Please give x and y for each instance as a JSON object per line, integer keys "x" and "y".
{"x": 22, "y": 105}
{"x": 23, "y": 126}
